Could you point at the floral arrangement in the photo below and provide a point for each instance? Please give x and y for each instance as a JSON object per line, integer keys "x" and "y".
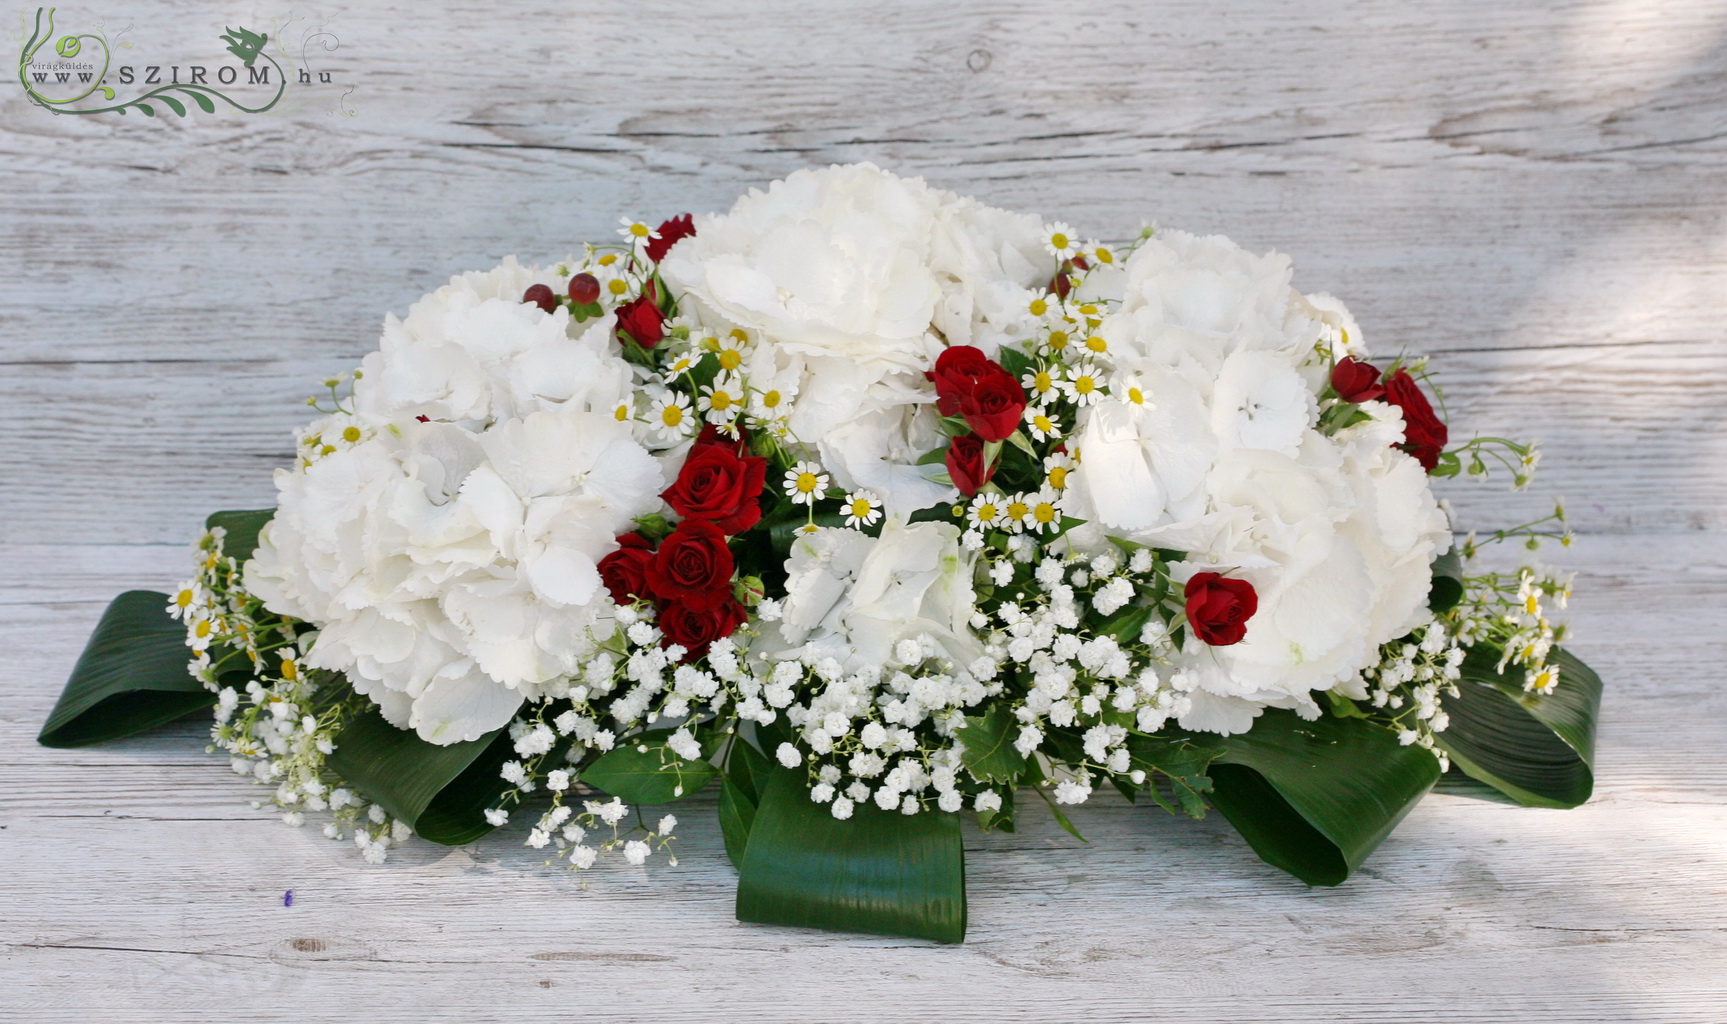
{"x": 876, "y": 507}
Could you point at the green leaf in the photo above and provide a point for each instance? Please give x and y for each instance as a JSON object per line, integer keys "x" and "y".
{"x": 442, "y": 792}
{"x": 1177, "y": 763}
{"x": 746, "y": 771}
{"x": 1537, "y": 750}
{"x": 643, "y": 770}
{"x": 131, "y": 677}
{"x": 242, "y": 528}
{"x": 1447, "y": 587}
{"x": 989, "y": 751}
{"x": 878, "y": 871}
{"x": 1315, "y": 798}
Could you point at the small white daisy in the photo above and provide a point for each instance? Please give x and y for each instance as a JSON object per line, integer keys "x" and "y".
{"x": 1042, "y": 385}
{"x": 1084, "y": 386}
{"x": 1059, "y": 241}
{"x": 1056, "y": 469}
{"x": 722, "y": 400}
{"x": 1042, "y": 425}
{"x": 1045, "y": 511}
{"x": 985, "y": 511}
{"x": 862, "y": 508}
{"x": 671, "y": 416}
{"x": 636, "y": 231}
{"x": 805, "y": 482}
{"x": 1015, "y": 511}
{"x": 1130, "y": 389}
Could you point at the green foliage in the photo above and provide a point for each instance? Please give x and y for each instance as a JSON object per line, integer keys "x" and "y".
{"x": 989, "y": 751}
{"x": 878, "y": 871}
{"x": 131, "y": 677}
{"x": 643, "y": 770}
{"x": 242, "y": 530}
{"x": 441, "y": 792}
{"x": 1175, "y": 769}
{"x": 1537, "y": 750}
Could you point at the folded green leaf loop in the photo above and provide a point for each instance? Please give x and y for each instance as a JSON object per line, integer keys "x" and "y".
{"x": 1537, "y": 750}
{"x": 1315, "y": 798}
{"x": 240, "y": 530}
{"x": 132, "y": 676}
{"x": 878, "y": 871}
{"x": 746, "y": 772}
{"x": 441, "y": 792}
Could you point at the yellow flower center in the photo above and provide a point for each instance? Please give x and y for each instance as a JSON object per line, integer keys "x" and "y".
{"x": 1531, "y": 604}
{"x": 1058, "y": 340}
{"x": 1042, "y": 382}
{"x": 1043, "y": 512}
{"x": 720, "y": 401}
{"x": 617, "y": 286}
{"x": 1039, "y": 307}
{"x": 623, "y": 412}
{"x": 987, "y": 512}
{"x": 1136, "y": 396}
{"x": 1085, "y": 385}
{"x": 350, "y": 434}
{"x": 860, "y": 507}
{"x": 639, "y": 230}
{"x": 730, "y": 359}
{"x": 806, "y": 483}
{"x": 1104, "y": 255}
{"x": 1058, "y": 240}
{"x": 1043, "y": 423}
{"x": 672, "y": 416}
{"x": 1016, "y": 510}
{"x": 1058, "y": 477}
{"x": 608, "y": 259}
{"x": 770, "y": 399}
{"x": 202, "y": 629}
{"x": 183, "y": 599}
{"x": 1096, "y": 344}
{"x": 289, "y": 669}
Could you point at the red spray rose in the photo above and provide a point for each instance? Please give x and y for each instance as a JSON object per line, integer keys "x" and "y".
{"x": 671, "y": 233}
{"x": 970, "y": 384}
{"x": 1424, "y": 433}
{"x": 1356, "y": 381}
{"x": 965, "y": 465}
{"x": 956, "y": 369}
{"x": 624, "y": 571}
{"x": 693, "y": 567}
{"x": 719, "y": 485}
{"x": 641, "y": 319}
{"x": 1218, "y": 608}
{"x": 695, "y": 629}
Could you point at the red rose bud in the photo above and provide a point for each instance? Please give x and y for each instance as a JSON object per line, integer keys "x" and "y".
{"x": 696, "y": 628}
{"x": 1218, "y": 608}
{"x": 956, "y": 370}
{"x": 994, "y": 405}
{"x": 719, "y": 485}
{"x": 584, "y": 289}
{"x": 641, "y": 319}
{"x": 624, "y": 571}
{"x": 693, "y": 567}
{"x": 1356, "y": 381}
{"x": 542, "y": 296}
{"x": 671, "y": 233}
{"x": 1424, "y": 433}
{"x": 965, "y": 464}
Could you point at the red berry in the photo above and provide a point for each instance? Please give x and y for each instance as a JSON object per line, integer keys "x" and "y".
{"x": 541, "y": 296}
{"x": 584, "y": 289}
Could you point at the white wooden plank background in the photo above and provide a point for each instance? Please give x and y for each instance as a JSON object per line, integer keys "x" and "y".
{"x": 1534, "y": 192}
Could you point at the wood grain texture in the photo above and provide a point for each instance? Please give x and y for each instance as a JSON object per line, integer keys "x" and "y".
{"x": 1530, "y": 191}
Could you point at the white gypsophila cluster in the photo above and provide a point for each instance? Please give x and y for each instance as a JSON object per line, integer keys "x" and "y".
{"x": 1202, "y": 435}
{"x": 273, "y": 718}
{"x": 442, "y": 531}
{"x": 849, "y": 279}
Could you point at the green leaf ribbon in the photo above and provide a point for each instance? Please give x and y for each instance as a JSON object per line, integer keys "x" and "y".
{"x": 1536, "y": 750}
{"x": 1315, "y": 798}
{"x": 442, "y": 792}
{"x": 878, "y": 871}
{"x": 131, "y": 677}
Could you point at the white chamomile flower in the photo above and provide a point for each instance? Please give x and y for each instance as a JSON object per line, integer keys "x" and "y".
{"x": 805, "y": 482}
{"x": 1059, "y": 241}
{"x": 1056, "y": 469}
{"x": 683, "y": 363}
{"x": 729, "y": 350}
{"x": 1130, "y": 389}
{"x": 1101, "y": 254}
{"x": 1042, "y": 304}
{"x": 862, "y": 508}
{"x": 1057, "y": 341}
{"x": 624, "y": 411}
{"x": 1044, "y": 386}
{"x": 773, "y": 403}
{"x": 1015, "y": 511}
{"x": 1041, "y": 423}
{"x": 1084, "y": 385}
{"x": 671, "y": 416}
{"x": 1096, "y": 345}
{"x": 1044, "y": 511}
{"x": 636, "y": 231}
{"x": 187, "y": 601}
{"x": 722, "y": 400}
{"x": 985, "y": 511}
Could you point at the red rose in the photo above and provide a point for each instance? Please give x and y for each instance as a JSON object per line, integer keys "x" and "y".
{"x": 1356, "y": 381}
{"x": 693, "y": 566}
{"x": 671, "y": 233}
{"x": 695, "y": 629}
{"x": 965, "y": 465}
{"x": 956, "y": 369}
{"x": 1424, "y": 434}
{"x": 994, "y": 405}
{"x": 1218, "y": 608}
{"x": 641, "y": 319}
{"x": 624, "y": 571}
{"x": 720, "y": 486}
